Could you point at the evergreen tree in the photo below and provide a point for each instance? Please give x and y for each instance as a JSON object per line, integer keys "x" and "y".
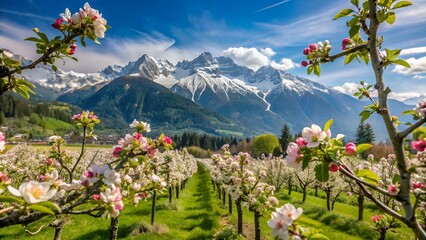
{"x": 2, "y": 120}
{"x": 285, "y": 139}
{"x": 364, "y": 134}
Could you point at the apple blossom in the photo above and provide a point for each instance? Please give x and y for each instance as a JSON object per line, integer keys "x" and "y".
{"x": 421, "y": 108}
{"x": 33, "y": 191}
{"x": 279, "y": 227}
{"x": 289, "y": 213}
{"x": 304, "y": 63}
{"x": 313, "y": 135}
{"x": 301, "y": 142}
{"x": 419, "y": 145}
{"x": 392, "y": 189}
{"x": 313, "y": 46}
{"x": 294, "y": 156}
{"x": 2, "y": 143}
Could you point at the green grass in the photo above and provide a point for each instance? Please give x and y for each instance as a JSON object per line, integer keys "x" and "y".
{"x": 200, "y": 215}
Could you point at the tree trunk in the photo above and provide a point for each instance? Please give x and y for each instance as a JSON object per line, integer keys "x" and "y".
{"x": 223, "y": 197}
{"x": 382, "y": 234}
{"x": 304, "y": 195}
{"x": 170, "y": 195}
{"x": 360, "y": 207}
{"x": 240, "y": 217}
{"x": 290, "y": 186}
{"x": 58, "y": 224}
{"x": 154, "y": 198}
{"x": 327, "y": 193}
{"x": 229, "y": 204}
{"x": 316, "y": 191}
{"x": 177, "y": 192}
{"x": 214, "y": 185}
{"x": 219, "y": 193}
{"x": 257, "y": 225}
{"x": 113, "y": 229}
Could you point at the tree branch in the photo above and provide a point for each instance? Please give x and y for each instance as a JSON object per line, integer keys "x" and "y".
{"x": 409, "y": 130}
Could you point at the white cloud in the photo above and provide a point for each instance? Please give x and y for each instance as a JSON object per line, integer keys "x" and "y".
{"x": 411, "y": 51}
{"x": 26, "y": 14}
{"x": 285, "y": 64}
{"x": 268, "y": 52}
{"x": 347, "y": 88}
{"x": 96, "y": 57}
{"x": 419, "y": 77}
{"x": 404, "y": 96}
{"x": 418, "y": 66}
{"x": 249, "y": 57}
{"x": 254, "y": 59}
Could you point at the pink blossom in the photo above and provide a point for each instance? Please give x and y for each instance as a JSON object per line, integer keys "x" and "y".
{"x": 376, "y": 218}
{"x": 333, "y": 167}
{"x": 306, "y": 51}
{"x": 301, "y": 142}
{"x": 346, "y": 41}
{"x": 304, "y": 63}
{"x": 137, "y": 136}
{"x": 421, "y": 108}
{"x": 313, "y": 47}
{"x": 167, "y": 140}
{"x": 328, "y": 132}
{"x": 89, "y": 174}
{"x": 96, "y": 197}
{"x": 350, "y": 149}
{"x": 58, "y": 23}
{"x": 392, "y": 189}
{"x": 76, "y": 116}
{"x": 117, "y": 151}
{"x": 294, "y": 156}
{"x": 1, "y": 136}
{"x": 419, "y": 145}
{"x": 418, "y": 185}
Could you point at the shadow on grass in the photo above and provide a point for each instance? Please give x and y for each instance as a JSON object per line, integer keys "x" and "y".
{"x": 95, "y": 235}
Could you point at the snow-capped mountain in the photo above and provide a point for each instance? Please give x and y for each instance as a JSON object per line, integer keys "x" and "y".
{"x": 261, "y": 100}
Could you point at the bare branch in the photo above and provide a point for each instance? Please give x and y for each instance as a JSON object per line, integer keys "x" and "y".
{"x": 409, "y": 130}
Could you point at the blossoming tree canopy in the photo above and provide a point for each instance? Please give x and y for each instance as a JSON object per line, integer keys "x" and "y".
{"x": 86, "y": 23}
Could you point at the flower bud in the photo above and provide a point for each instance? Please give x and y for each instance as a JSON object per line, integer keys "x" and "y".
{"x": 304, "y": 63}
{"x": 333, "y": 167}
{"x": 313, "y": 47}
{"x": 306, "y": 51}
{"x": 350, "y": 149}
{"x": 301, "y": 142}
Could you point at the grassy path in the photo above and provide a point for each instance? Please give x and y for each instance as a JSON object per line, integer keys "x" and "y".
{"x": 198, "y": 214}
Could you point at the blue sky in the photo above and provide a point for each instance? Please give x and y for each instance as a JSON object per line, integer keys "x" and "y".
{"x": 253, "y": 33}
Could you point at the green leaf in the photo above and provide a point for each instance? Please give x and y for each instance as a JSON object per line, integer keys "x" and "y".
{"x": 420, "y": 132}
{"x": 42, "y": 36}
{"x": 409, "y": 112}
{"x": 354, "y": 21}
{"x": 306, "y": 161}
{"x": 50, "y": 205}
{"x": 11, "y": 199}
{"x": 363, "y": 147}
{"x": 368, "y": 176}
{"x": 22, "y": 92}
{"x": 366, "y": 6}
{"x": 328, "y": 124}
{"x": 365, "y": 57}
{"x": 401, "y": 62}
{"x": 41, "y": 208}
{"x": 310, "y": 69}
{"x": 355, "y": 2}
{"x": 392, "y": 54}
{"x": 54, "y": 67}
{"x": 349, "y": 58}
{"x": 317, "y": 70}
{"x": 322, "y": 172}
{"x": 381, "y": 16}
{"x": 391, "y": 18}
{"x": 365, "y": 115}
{"x": 396, "y": 179}
{"x": 402, "y": 4}
{"x": 343, "y": 13}
{"x": 34, "y": 39}
{"x": 353, "y": 31}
